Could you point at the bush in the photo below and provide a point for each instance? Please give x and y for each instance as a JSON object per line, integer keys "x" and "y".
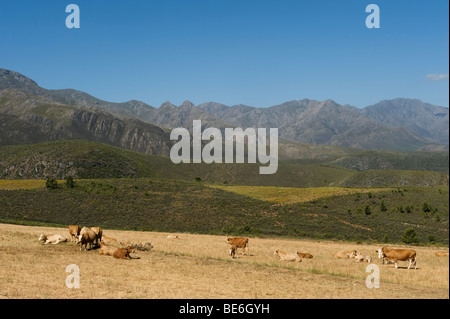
{"x": 51, "y": 183}
{"x": 69, "y": 182}
{"x": 410, "y": 237}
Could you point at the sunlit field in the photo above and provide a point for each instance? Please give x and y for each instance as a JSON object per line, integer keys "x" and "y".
{"x": 197, "y": 266}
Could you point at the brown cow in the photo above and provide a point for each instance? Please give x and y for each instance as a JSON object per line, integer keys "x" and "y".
{"x": 124, "y": 253}
{"x": 74, "y": 231}
{"x": 52, "y": 239}
{"x": 239, "y": 242}
{"x": 398, "y": 254}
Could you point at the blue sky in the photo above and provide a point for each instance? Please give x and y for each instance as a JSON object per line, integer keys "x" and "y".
{"x": 254, "y": 52}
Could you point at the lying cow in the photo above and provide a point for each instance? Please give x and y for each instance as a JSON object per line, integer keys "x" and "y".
{"x": 109, "y": 241}
{"x": 172, "y": 236}
{"x": 398, "y": 254}
{"x": 74, "y": 231}
{"x": 282, "y": 256}
{"x": 87, "y": 236}
{"x": 304, "y": 255}
{"x": 361, "y": 258}
{"x": 345, "y": 254}
{"x": 124, "y": 253}
{"x": 106, "y": 250}
{"x": 52, "y": 239}
{"x": 441, "y": 254}
{"x": 239, "y": 242}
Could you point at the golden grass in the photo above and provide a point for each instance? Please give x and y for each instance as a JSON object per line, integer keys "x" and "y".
{"x": 197, "y": 267}
{"x": 23, "y": 184}
{"x": 290, "y": 195}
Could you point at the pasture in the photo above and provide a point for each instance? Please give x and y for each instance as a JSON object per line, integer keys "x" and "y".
{"x": 198, "y": 267}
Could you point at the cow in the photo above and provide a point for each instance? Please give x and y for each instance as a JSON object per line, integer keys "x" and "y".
{"x": 441, "y": 254}
{"x": 172, "y": 236}
{"x": 304, "y": 255}
{"x": 398, "y": 254}
{"x": 87, "y": 236}
{"x": 109, "y": 240}
{"x": 361, "y": 258}
{"x": 281, "y": 255}
{"x": 52, "y": 239}
{"x": 74, "y": 231}
{"x": 99, "y": 232}
{"x": 345, "y": 254}
{"x": 232, "y": 251}
{"x": 142, "y": 247}
{"x": 106, "y": 250}
{"x": 239, "y": 242}
{"x": 124, "y": 253}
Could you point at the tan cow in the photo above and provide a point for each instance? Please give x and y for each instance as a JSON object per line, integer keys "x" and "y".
{"x": 106, "y": 250}
{"x": 239, "y": 242}
{"x": 304, "y": 255}
{"x": 441, "y": 254}
{"x": 398, "y": 254}
{"x": 282, "y": 256}
{"x": 109, "y": 241}
{"x": 74, "y": 231}
{"x": 361, "y": 258}
{"x": 345, "y": 254}
{"x": 52, "y": 239}
{"x": 172, "y": 236}
{"x": 99, "y": 232}
{"x": 124, "y": 253}
{"x": 87, "y": 236}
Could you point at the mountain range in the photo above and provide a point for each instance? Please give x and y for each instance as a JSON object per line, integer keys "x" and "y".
{"x": 32, "y": 114}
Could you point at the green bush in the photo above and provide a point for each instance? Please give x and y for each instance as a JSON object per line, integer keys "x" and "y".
{"x": 410, "y": 237}
{"x": 51, "y": 183}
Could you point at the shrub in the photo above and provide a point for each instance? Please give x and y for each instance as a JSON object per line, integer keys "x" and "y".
{"x": 51, "y": 183}
{"x": 69, "y": 182}
{"x": 410, "y": 237}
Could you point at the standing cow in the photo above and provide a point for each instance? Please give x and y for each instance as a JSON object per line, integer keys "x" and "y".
{"x": 87, "y": 236}
{"x": 74, "y": 231}
{"x": 398, "y": 254}
{"x": 239, "y": 242}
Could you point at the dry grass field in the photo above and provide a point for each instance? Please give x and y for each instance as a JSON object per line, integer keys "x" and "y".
{"x": 290, "y": 195}
{"x": 197, "y": 267}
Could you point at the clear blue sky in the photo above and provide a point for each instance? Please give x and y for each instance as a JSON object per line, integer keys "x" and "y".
{"x": 254, "y": 52}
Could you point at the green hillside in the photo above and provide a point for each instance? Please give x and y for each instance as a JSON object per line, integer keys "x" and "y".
{"x": 176, "y": 206}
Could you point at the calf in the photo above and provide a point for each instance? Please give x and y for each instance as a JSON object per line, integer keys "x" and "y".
{"x": 124, "y": 253}
{"x": 74, "y": 231}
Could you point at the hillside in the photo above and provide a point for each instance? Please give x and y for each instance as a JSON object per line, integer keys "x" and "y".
{"x": 50, "y": 121}
{"x": 176, "y": 206}
{"x": 86, "y": 159}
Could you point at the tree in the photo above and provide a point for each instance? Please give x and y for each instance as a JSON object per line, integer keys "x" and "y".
{"x": 410, "y": 237}
{"x": 383, "y": 206}
{"x": 69, "y": 182}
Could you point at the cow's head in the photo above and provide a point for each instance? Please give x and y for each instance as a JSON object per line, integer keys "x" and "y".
{"x": 42, "y": 237}
{"x": 380, "y": 253}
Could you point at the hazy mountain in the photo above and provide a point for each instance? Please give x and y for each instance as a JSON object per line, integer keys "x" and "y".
{"x": 425, "y": 120}
{"x": 401, "y": 124}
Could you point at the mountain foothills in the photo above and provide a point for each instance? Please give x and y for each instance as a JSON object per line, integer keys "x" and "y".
{"x": 400, "y": 134}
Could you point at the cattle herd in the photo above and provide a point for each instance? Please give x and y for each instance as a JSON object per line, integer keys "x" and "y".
{"x": 108, "y": 246}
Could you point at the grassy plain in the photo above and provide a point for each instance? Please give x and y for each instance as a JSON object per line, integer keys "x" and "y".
{"x": 197, "y": 267}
